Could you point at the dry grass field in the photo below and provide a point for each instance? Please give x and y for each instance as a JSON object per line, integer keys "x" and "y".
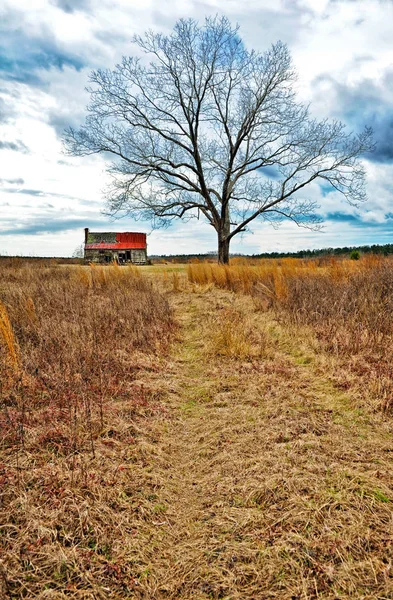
{"x": 199, "y": 432}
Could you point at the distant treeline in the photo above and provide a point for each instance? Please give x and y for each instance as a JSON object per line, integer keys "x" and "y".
{"x": 384, "y": 249}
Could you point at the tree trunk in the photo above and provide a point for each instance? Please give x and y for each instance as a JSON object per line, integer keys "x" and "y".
{"x": 223, "y": 235}
{"x": 223, "y": 251}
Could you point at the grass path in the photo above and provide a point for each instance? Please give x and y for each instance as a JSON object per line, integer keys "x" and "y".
{"x": 265, "y": 479}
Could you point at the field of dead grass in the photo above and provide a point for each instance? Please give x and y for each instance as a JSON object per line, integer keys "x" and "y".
{"x": 210, "y": 434}
{"x": 347, "y": 304}
{"x": 73, "y": 342}
{"x": 271, "y": 480}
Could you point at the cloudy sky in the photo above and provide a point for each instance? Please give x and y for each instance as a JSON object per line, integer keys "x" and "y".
{"x": 342, "y": 50}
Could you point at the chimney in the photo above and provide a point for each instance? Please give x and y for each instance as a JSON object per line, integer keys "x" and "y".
{"x": 86, "y": 234}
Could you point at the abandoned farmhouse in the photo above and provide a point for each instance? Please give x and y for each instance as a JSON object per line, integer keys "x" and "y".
{"x": 107, "y": 247}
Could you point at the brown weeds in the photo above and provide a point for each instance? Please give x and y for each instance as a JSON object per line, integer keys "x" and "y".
{"x": 269, "y": 483}
{"x": 348, "y": 304}
{"x": 237, "y": 466}
{"x": 75, "y": 340}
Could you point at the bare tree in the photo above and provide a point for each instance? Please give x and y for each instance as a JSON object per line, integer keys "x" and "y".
{"x": 210, "y": 128}
{"x": 79, "y": 252}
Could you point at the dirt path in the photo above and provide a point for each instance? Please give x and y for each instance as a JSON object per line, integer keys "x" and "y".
{"x": 266, "y": 480}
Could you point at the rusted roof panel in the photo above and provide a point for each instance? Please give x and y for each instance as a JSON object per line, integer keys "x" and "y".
{"x": 133, "y": 238}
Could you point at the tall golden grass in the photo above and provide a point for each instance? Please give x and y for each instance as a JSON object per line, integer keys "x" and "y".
{"x": 274, "y": 274}
{"x": 8, "y": 341}
{"x": 273, "y": 277}
{"x": 348, "y": 303}
{"x": 230, "y": 334}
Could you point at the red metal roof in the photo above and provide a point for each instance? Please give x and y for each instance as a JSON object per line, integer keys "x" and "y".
{"x": 133, "y": 238}
{"x": 124, "y": 241}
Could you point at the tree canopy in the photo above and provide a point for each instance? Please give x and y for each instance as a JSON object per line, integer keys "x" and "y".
{"x": 198, "y": 125}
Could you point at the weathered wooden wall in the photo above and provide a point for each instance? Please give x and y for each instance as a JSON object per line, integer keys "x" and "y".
{"x": 138, "y": 256}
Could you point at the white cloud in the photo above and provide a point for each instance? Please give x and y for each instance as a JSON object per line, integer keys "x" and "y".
{"x": 348, "y": 41}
